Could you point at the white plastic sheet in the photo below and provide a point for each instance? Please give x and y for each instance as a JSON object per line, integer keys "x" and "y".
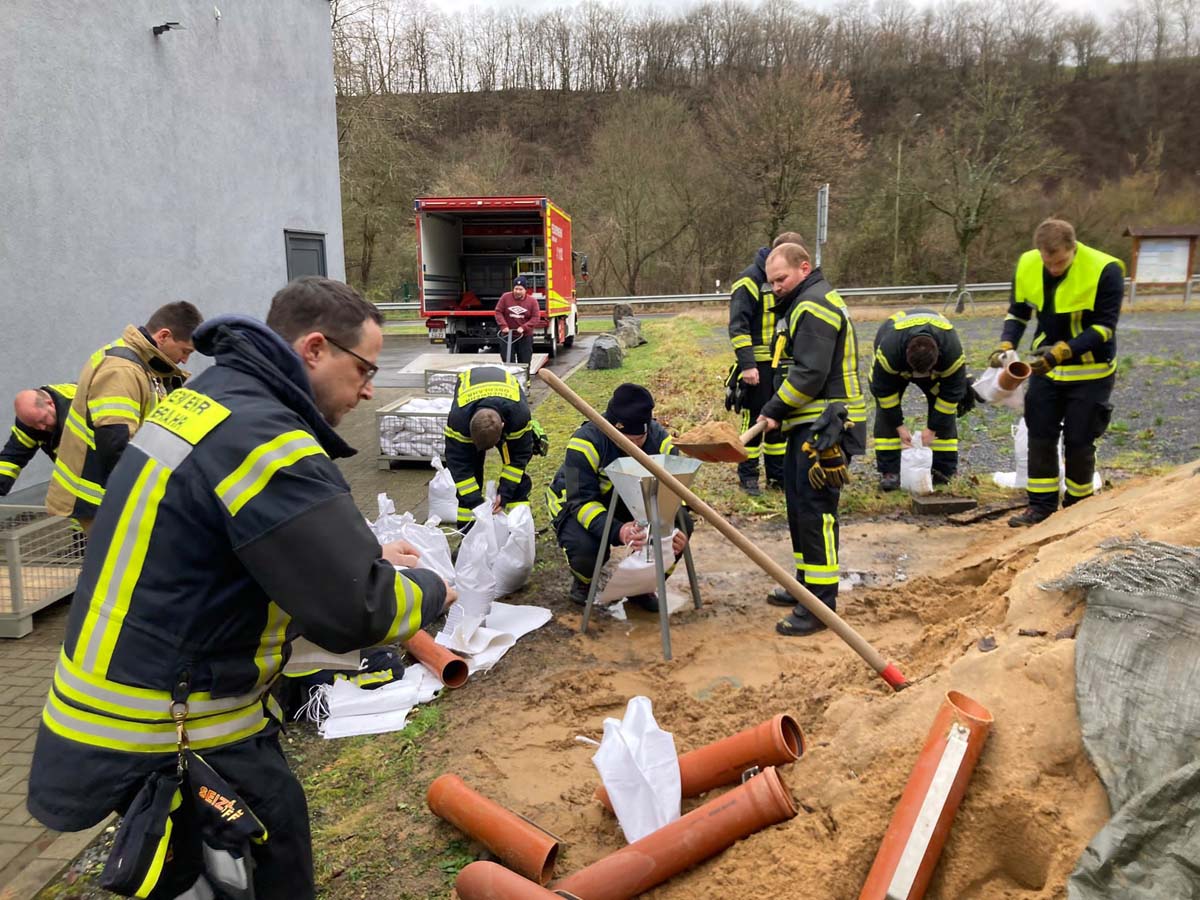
{"x": 443, "y": 500}
{"x": 640, "y": 770}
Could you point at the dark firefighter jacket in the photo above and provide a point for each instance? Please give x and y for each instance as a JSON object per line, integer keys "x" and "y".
{"x": 820, "y": 342}
{"x": 1081, "y": 307}
{"x": 889, "y": 368}
{"x": 488, "y": 387}
{"x": 24, "y": 442}
{"x": 226, "y": 533}
{"x": 117, "y": 389}
{"x": 752, "y": 314}
{"x": 581, "y": 489}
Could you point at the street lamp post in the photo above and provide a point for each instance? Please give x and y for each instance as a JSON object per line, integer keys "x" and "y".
{"x": 896, "y": 229}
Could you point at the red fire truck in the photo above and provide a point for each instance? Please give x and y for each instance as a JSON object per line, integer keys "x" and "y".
{"x": 469, "y": 251}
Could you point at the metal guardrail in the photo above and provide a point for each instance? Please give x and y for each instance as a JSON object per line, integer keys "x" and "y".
{"x": 884, "y": 291}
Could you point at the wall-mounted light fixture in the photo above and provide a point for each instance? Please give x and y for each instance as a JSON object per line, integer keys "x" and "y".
{"x": 166, "y": 26}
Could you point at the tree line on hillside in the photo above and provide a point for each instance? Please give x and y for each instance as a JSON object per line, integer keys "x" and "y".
{"x": 681, "y": 143}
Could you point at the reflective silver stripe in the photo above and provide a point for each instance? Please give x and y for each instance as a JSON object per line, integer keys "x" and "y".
{"x": 161, "y": 445}
{"x": 231, "y": 492}
{"x": 116, "y": 567}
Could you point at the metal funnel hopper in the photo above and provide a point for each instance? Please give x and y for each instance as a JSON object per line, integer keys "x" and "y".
{"x": 633, "y": 481}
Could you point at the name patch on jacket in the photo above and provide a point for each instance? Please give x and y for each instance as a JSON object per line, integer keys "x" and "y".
{"x": 188, "y": 415}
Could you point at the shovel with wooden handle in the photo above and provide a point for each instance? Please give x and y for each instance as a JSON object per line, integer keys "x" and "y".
{"x": 722, "y": 451}
{"x": 889, "y": 672}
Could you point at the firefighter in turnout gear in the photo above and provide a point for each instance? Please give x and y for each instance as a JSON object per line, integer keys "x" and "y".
{"x": 581, "y": 493}
{"x": 820, "y": 394}
{"x": 751, "y": 379}
{"x": 1076, "y": 292}
{"x": 917, "y": 347}
{"x": 227, "y": 531}
{"x": 118, "y": 388}
{"x": 41, "y": 418}
{"x": 489, "y": 410}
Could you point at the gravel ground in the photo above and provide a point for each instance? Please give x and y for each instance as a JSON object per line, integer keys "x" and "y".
{"x": 1155, "y": 420}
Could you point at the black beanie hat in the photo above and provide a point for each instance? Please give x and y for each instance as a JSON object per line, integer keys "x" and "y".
{"x": 630, "y": 409}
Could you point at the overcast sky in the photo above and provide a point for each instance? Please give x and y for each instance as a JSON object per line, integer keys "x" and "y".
{"x": 1101, "y": 8}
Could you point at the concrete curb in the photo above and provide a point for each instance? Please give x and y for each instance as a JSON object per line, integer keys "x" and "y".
{"x": 50, "y": 862}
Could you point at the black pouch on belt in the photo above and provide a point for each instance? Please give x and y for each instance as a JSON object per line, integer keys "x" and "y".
{"x": 227, "y": 828}
{"x": 1101, "y": 416}
{"x": 149, "y": 828}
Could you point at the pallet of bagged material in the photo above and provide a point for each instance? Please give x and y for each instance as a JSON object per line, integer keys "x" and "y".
{"x": 411, "y": 428}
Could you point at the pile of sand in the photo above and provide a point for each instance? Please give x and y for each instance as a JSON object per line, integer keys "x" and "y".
{"x": 1034, "y": 802}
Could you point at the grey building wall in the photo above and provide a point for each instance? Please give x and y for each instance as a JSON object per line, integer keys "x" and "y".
{"x": 136, "y": 170}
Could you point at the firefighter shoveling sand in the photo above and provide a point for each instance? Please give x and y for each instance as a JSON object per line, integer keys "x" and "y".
{"x": 1034, "y": 802}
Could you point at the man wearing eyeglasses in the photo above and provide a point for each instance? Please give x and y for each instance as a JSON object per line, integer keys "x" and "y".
{"x": 41, "y": 417}
{"x": 227, "y": 531}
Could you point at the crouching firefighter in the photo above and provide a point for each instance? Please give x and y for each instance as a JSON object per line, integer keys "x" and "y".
{"x": 226, "y": 532}
{"x": 490, "y": 410}
{"x": 922, "y": 348}
{"x": 821, "y": 410}
{"x": 581, "y": 493}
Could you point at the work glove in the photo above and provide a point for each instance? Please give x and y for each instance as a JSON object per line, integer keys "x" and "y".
{"x": 737, "y": 392}
{"x": 994, "y": 360}
{"x": 541, "y": 440}
{"x": 967, "y": 403}
{"x": 827, "y": 468}
{"x": 1049, "y": 357}
{"x": 827, "y": 430}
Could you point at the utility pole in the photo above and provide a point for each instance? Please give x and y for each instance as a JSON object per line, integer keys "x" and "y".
{"x": 896, "y": 229}
{"x": 822, "y": 220}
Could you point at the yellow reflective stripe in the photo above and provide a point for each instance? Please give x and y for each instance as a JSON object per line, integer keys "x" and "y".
{"x": 1076, "y": 323}
{"x": 114, "y": 407}
{"x": 465, "y": 515}
{"x": 1082, "y": 372}
{"x": 522, "y": 432}
{"x": 455, "y": 435}
{"x": 904, "y": 320}
{"x": 793, "y": 397}
{"x": 887, "y": 443}
{"x": 850, "y": 359}
{"x": 883, "y": 363}
{"x": 588, "y": 449}
{"x": 891, "y": 401}
{"x": 85, "y": 490}
{"x": 588, "y": 512}
{"x": 831, "y": 555}
{"x": 856, "y": 407}
{"x": 943, "y": 406}
{"x": 508, "y": 389}
{"x": 97, "y": 730}
{"x": 408, "y": 610}
{"x": 773, "y": 449}
{"x": 1043, "y": 485}
{"x": 825, "y": 315}
{"x": 23, "y": 439}
{"x": 121, "y": 568}
{"x": 1075, "y": 489}
{"x": 66, "y": 390}
{"x": 249, "y": 479}
{"x": 125, "y": 701}
{"x": 1011, "y": 318}
{"x": 1105, "y": 331}
{"x": 748, "y": 284}
{"x": 154, "y": 872}
{"x": 753, "y": 452}
{"x": 511, "y": 473}
{"x": 467, "y": 485}
{"x": 944, "y": 444}
{"x": 586, "y": 579}
{"x": 954, "y": 367}
{"x": 666, "y": 446}
{"x": 554, "y": 502}
{"x": 80, "y": 428}
{"x": 9, "y": 470}
{"x": 268, "y": 659}
{"x": 741, "y": 340}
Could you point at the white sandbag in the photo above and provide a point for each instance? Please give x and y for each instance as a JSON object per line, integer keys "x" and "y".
{"x": 473, "y": 578}
{"x": 640, "y": 770}
{"x": 635, "y": 574}
{"x": 516, "y": 556}
{"x": 443, "y": 500}
{"x": 432, "y": 545}
{"x": 916, "y": 468}
{"x": 987, "y": 386}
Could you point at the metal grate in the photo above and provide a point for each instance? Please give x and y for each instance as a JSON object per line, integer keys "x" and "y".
{"x": 40, "y": 560}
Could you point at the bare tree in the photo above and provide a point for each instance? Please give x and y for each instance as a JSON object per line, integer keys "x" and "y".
{"x": 994, "y": 139}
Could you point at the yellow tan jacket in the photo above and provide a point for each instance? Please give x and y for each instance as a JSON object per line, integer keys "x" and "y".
{"x": 120, "y": 384}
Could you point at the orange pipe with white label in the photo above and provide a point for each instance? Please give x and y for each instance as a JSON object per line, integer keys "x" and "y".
{"x": 913, "y": 842}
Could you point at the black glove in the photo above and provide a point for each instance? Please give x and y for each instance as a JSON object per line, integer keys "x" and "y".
{"x": 731, "y": 387}
{"x": 827, "y": 430}
{"x": 967, "y": 403}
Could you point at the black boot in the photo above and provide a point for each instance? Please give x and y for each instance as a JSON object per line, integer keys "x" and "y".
{"x": 799, "y": 625}
{"x": 579, "y": 593}
{"x": 750, "y": 486}
{"x": 1031, "y": 515}
{"x": 780, "y": 597}
{"x": 889, "y": 481}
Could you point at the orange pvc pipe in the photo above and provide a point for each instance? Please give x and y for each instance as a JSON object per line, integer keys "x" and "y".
{"x": 451, "y": 669}
{"x": 1013, "y": 374}
{"x": 720, "y": 823}
{"x": 488, "y": 881}
{"x": 522, "y": 846}
{"x": 776, "y": 742}
{"x": 913, "y": 842}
